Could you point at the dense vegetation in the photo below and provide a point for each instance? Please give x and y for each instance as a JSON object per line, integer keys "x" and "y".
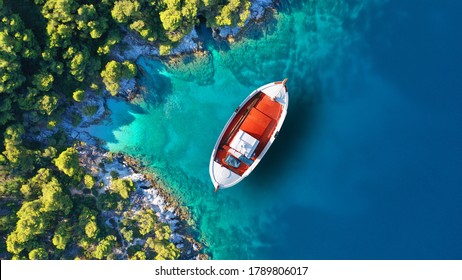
{"x": 51, "y": 53}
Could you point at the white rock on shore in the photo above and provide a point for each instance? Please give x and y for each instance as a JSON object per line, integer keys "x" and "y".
{"x": 226, "y": 31}
{"x": 188, "y": 44}
{"x": 131, "y": 47}
{"x": 128, "y": 87}
{"x": 258, "y": 7}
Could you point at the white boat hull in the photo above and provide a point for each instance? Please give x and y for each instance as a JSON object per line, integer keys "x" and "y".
{"x": 223, "y": 177}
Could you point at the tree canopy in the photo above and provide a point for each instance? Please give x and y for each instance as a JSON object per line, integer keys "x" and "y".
{"x": 114, "y": 72}
{"x": 68, "y": 162}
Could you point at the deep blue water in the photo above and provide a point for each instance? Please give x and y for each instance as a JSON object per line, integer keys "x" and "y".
{"x": 368, "y": 164}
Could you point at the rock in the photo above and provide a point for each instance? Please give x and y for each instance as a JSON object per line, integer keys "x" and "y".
{"x": 136, "y": 177}
{"x": 176, "y": 238}
{"x": 128, "y": 87}
{"x": 257, "y": 12}
{"x": 226, "y": 31}
{"x": 258, "y": 7}
{"x": 187, "y": 45}
{"x": 132, "y": 47}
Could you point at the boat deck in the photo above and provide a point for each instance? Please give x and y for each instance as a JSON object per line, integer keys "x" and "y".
{"x": 259, "y": 118}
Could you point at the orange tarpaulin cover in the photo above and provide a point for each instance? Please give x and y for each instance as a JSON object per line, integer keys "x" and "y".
{"x": 269, "y": 107}
{"x": 256, "y": 123}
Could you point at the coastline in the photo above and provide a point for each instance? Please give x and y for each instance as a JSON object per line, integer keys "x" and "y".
{"x": 150, "y": 192}
{"x": 132, "y": 46}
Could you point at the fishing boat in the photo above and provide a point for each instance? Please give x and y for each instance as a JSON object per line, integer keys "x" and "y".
{"x": 248, "y": 134}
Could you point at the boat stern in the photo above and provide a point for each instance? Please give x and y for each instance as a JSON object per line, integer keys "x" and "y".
{"x": 222, "y": 177}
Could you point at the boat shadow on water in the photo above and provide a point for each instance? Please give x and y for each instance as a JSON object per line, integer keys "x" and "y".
{"x": 296, "y": 133}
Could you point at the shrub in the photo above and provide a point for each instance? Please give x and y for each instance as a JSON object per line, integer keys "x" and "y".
{"x": 78, "y": 95}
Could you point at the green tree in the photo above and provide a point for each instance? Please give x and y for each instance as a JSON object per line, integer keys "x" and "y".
{"x": 90, "y": 22}
{"x": 47, "y": 104}
{"x": 91, "y": 229}
{"x": 38, "y": 254}
{"x": 7, "y": 222}
{"x": 62, "y": 236}
{"x": 14, "y": 243}
{"x": 78, "y": 95}
{"x": 111, "y": 76}
{"x": 164, "y": 49}
{"x": 6, "y": 113}
{"x": 89, "y": 181}
{"x": 105, "y": 247}
{"x": 123, "y": 10}
{"x": 32, "y": 222}
{"x": 129, "y": 69}
{"x": 33, "y": 189}
{"x": 10, "y": 186}
{"x": 163, "y": 232}
{"x": 54, "y": 199}
{"x": 49, "y": 152}
{"x": 112, "y": 38}
{"x": 88, "y": 222}
{"x": 146, "y": 220}
{"x": 115, "y": 71}
{"x": 68, "y": 162}
{"x": 140, "y": 255}
{"x": 171, "y": 19}
{"x": 80, "y": 62}
{"x": 43, "y": 81}
{"x": 235, "y": 12}
{"x": 11, "y": 76}
{"x": 17, "y": 155}
{"x": 165, "y": 250}
{"x": 62, "y": 10}
{"x": 123, "y": 187}
{"x": 144, "y": 30}
{"x": 127, "y": 234}
{"x": 29, "y": 100}
{"x": 17, "y": 45}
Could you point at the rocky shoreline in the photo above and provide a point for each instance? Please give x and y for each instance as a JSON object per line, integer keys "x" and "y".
{"x": 132, "y": 46}
{"x": 105, "y": 166}
{"x": 150, "y": 192}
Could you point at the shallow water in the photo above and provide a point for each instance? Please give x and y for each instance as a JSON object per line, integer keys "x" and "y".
{"x": 367, "y": 164}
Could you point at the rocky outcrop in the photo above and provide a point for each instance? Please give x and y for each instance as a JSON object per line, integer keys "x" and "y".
{"x": 258, "y": 10}
{"x": 149, "y": 194}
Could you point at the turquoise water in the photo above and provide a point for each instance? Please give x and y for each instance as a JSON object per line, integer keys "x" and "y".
{"x": 354, "y": 173}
